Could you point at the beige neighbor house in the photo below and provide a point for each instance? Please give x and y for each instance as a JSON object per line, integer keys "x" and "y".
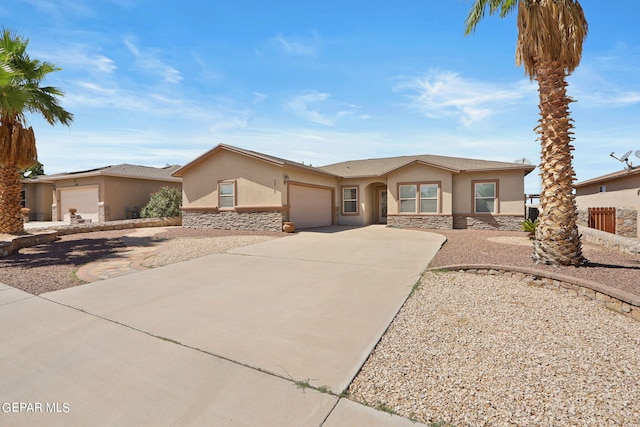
{"x": 611, "y": 202}
{"x": 233, "y": 188}
{"x": 103, "y": 194}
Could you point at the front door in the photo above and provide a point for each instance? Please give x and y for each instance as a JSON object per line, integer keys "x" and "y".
{"x": 382, "y": 206}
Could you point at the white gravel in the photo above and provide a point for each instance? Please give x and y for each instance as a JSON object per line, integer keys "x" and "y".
{"x": 186, "y": 248}
{"x": 481, "y": 350}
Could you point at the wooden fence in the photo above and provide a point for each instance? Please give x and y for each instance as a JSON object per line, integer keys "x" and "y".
{"x": 603, "y": 219}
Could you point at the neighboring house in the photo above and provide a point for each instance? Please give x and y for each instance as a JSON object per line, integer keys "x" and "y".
{"x": 233, "y": 188}
{"x": 611, "y": 202}
{"x": 103, "y": 194}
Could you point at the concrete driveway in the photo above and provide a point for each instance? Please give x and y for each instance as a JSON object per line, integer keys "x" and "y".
{"x": 227, "y": 339}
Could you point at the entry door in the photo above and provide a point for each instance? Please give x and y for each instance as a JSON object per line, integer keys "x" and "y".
{"x": 382, "y": 206}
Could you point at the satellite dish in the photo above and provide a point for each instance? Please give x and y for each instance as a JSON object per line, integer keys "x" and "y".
{"x": 637, "y": 153}
{"x": 624, "y": 158}
{"x": 525, "y": 161}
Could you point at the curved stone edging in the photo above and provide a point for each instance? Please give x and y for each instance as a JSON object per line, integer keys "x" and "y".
{"x": 615, "y": 299}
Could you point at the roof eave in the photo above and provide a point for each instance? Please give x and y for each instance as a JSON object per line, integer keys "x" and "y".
{"x": 608, "y": 177}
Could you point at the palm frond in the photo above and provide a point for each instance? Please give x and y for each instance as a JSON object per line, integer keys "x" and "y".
{"x": 477, "y": 11}
{"x": 550, "y": 30}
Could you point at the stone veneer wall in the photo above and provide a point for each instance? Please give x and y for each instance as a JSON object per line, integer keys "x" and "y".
{"x": 443, "y": 222}
{"x": 583, "y": 217}
{"x": 249, "y": 220}
{"x": 629, "y": 245}
{"x": 489, "y": 222}
{"x": 627, "y": 222}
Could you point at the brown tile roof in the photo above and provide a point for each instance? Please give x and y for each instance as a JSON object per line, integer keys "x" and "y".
{"x": 382, "y": 166}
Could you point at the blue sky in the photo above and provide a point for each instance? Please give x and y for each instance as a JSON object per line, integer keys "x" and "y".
{"x": 158, "y": 82}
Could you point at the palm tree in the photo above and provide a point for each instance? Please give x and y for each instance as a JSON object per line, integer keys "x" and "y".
{"x": 21, "y": 93}
{"x": 549, "y": 45}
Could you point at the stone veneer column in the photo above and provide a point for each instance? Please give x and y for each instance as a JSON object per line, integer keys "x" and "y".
{"x": 104, "y": 212}
{"x": 627, "y": 221}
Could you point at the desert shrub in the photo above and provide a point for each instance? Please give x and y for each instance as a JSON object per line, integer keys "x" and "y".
{"x": 530, "y": 226}
{"x": 166, "y": 202}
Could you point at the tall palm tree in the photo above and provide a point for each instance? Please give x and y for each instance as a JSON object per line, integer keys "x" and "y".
{"x": 21, "y": 93}
{"x": 549, "y": 45}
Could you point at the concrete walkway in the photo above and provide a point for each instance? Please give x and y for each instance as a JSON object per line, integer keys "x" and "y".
{"x": 226, "y": 339}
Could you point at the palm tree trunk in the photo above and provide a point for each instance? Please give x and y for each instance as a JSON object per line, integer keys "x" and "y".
{"x": 10, "y": 188}
{"x": 557, "y": 239}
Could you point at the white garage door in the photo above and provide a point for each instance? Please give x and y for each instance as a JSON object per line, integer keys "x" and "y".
{"x": 309, "y": 206}
{"x": 84, "y": 199}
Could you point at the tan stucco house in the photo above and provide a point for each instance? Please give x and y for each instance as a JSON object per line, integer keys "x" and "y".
{"x": 233, "y": 188}
{"x": 619, "y": 191}
{"x": 103, "y": 194}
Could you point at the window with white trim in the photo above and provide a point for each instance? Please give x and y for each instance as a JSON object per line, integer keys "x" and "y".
{"x": 226, "y": 195}
{"x": 419, "y": 198}
{"x": 350, "y": 200}
{"x": 485, "y": 197}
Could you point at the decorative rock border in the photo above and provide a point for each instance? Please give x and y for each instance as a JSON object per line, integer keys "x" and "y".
{"x": 614, "y": 299}
{"x": 50, "y": 234}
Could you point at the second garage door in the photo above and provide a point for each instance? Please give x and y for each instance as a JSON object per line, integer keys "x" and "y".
{"x": 310, "y": 206}
{"x": 84, "y": 199}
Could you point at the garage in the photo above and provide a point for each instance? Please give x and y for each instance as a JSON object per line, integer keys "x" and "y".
{"x": 310, "y": 206}
{"x": 84, "y": 199}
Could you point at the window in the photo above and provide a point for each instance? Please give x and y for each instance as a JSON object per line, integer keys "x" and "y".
{"x": 429, "y": 198}
{"x": 426, "y": 194}
{"x": 603, "y": 188}
{"x": 226, "y": 191}
{"x": 350, "y": 200}
{"x": 23, "y": 198}
{"x": 408, "y": 194}
{"x": 485, "y": 197}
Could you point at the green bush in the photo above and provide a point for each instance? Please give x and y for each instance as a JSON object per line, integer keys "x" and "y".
{"x": 530, "y": 226}
{"x": 165, "y": 203}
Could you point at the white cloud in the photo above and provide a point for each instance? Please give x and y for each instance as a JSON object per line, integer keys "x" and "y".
{"x": 316, "y": 107}
{"x": 149, "y": 61}
{"x": 291, "y": 46}
{"x": 61, "y": 9}
{"x": 80, "y": 57}
{"x": 441, "y": 94}
{"x": 258, "y": 97}
{"x": 301, "y": 105}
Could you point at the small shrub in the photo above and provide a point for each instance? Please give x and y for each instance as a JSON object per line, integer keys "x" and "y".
{"x": 530, "y": 227}
{"x": 164, "y": 203}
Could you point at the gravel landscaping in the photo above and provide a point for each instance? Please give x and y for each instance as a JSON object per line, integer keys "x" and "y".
{"x": 472, "y": 350}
